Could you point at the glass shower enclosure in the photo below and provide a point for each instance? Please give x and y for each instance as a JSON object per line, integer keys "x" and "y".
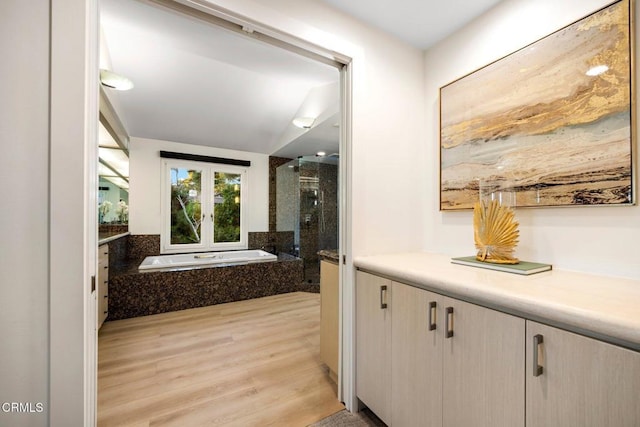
{"x": 307, "y": 205}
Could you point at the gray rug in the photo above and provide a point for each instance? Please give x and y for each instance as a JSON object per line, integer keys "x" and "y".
{"x": 345, "y": 418}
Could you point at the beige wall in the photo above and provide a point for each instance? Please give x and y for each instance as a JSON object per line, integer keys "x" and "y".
{"x": 24, "y": 169}
{"x": 603, "y": 240}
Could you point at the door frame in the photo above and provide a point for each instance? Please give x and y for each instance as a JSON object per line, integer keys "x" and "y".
{"x": 73, "y": 223}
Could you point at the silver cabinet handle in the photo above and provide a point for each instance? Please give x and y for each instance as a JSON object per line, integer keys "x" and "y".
{"x": 449, "y": 322}
{"x": 432, "y": 316}
{"x": 383, "y": 294}
{"x": 537, "y": 342}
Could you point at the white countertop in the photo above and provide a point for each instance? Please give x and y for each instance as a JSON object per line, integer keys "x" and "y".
{"x": 606, "y": 308}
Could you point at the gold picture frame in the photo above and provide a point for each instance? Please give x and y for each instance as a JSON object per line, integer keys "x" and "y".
{"x": 552, "y": 121}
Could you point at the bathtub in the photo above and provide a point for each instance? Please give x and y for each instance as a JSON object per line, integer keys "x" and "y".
{"x": 204, "y": 260}
{"x": 137, "y": 292}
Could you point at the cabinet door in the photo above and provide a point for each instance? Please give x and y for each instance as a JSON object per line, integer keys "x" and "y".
{"x": 102, "y": 278}
{"x": 483, "y": 366}
{"x": 329, "y": 312}
{"x": 416, "y": 355}
{"x": 583, "y": 382}
{"x": 373, "y": 343}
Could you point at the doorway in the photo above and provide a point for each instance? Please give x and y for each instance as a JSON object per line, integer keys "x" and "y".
{"x": 253, "y": 32}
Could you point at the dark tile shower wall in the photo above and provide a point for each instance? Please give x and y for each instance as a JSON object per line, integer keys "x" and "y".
{"x": 118, "y": 252}
{"x": 328, "y": 216}
{"x": 280, "y": 241}
{"x": 306, "y": 201}
{"x": 318, "y": 215}
{"x": 308, "y": 220}
{"x": 274, "y": 162}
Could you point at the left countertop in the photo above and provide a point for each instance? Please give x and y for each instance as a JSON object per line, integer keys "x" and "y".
{"x": 109, "y": 237}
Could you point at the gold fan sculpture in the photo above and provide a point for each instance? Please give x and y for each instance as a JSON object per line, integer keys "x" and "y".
{"x": 495, "y": 232}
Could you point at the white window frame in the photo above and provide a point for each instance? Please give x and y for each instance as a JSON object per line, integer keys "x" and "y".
{"x": 207, "y": 227}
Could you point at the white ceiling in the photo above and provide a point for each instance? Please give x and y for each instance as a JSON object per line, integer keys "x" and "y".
{"x": 421, "y": 23}
{"x": 200, "y": 84}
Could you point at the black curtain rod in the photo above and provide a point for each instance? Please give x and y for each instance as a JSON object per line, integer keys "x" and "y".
{"x": 207, "y": 159}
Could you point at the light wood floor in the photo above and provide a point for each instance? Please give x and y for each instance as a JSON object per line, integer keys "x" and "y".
{"x": 247, "y": 363}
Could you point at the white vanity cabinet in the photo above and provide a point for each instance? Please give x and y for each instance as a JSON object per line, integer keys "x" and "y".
{"x": 416, "y": 357}
{"x": 576, "y": 381}
{"x": 483, "y": 366}
{"x": 373, "y": 343}
{"x": 102, "y": 293}
{"x": 429, "y": 360}
{"x": 329, "y": 316}
{"x": 543, "y": 355}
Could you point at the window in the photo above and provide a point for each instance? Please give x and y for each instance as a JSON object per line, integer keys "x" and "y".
{"x": 203, "y": 207}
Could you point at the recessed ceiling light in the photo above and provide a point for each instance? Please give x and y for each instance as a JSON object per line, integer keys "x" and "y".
{"x": 304, "y": 122}
{"x": 115, "y": 81}
{"x": 597, "y": 70}
{"x": 321, "y": 154}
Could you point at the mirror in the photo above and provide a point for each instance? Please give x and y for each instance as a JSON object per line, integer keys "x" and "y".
{"x": 113, "y": 171}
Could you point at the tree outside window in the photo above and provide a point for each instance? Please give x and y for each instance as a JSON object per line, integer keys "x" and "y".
{"x": 186, "y": 206}
{"x": 226, "y": 209}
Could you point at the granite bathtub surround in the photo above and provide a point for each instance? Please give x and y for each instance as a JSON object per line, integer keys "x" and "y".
{"x": 143, "y": 245}
{"x": 133, "y": 294}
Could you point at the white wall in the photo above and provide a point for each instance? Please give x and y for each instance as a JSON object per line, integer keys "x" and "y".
{"x": 388, "y": 177}
{"x": 602, "y": 240}
{"x": 145, "y": 179}
{"x": 24, "y": 170}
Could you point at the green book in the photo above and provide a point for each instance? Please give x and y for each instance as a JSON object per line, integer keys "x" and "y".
{"x": 523, "y": 267}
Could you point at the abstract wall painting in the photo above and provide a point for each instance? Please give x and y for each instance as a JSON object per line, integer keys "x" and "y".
{"x": 552, "y": 121}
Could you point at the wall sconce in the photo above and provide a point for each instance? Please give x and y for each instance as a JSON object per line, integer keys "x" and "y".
{"x": 115, "y": 81}
{"x": 304, "y": 122}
